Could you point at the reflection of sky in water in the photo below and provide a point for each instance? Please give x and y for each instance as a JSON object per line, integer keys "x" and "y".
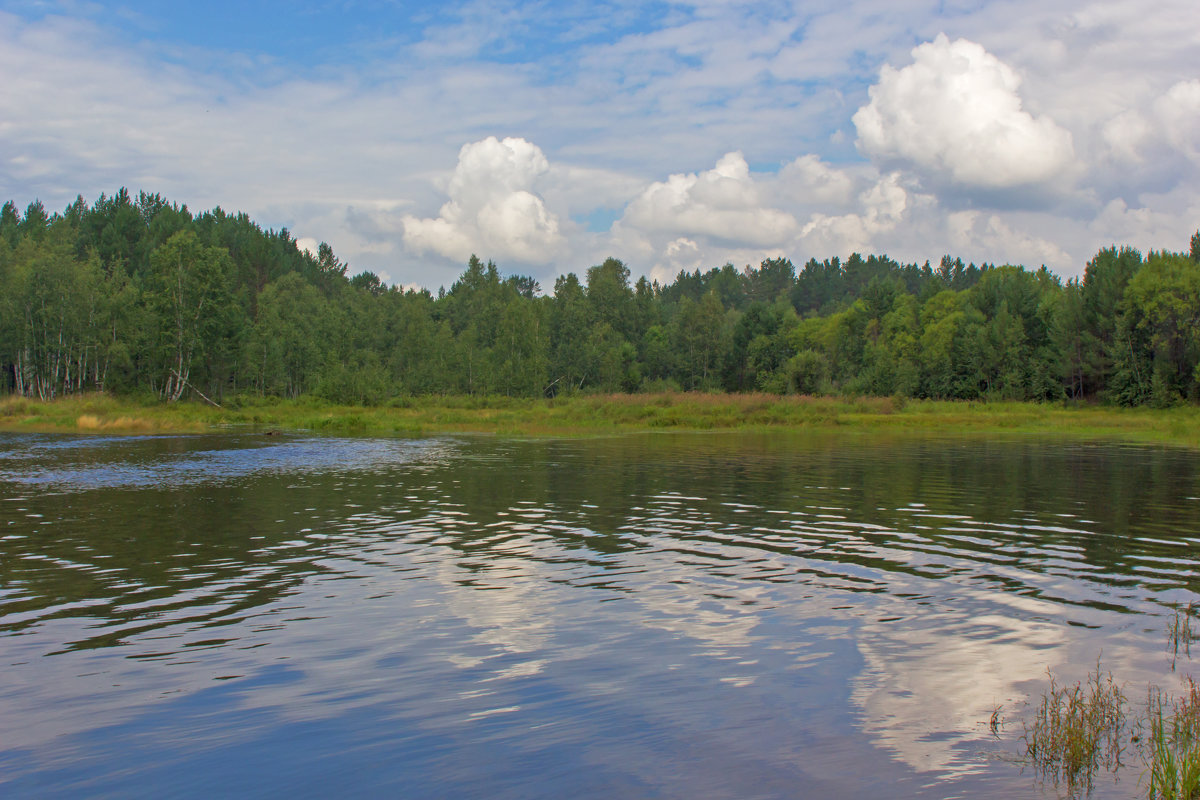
{"x": 193, "y": 464}
{"x": 574, "y": 609}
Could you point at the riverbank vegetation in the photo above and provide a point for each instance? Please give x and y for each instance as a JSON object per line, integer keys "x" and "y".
{"x": 138, "y": 296}
{"x": 590, "y": 415}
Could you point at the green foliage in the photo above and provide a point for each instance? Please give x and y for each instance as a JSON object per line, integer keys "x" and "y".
{"x": 134, "y": 294}
{"x": 1162, "y": 309}
{"x": 807, "y": 373}
{"x": 192, "y": 307}
{"x": 289, "y": 343}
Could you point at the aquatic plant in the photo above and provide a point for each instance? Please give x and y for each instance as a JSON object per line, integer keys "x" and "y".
{"x": 1077, "y": 731}
{"x": 1080, "y": 729}
{"x": 1173, "y": 745}
{"x": 996, "y": 721}
{"x": 1180, "y": 632}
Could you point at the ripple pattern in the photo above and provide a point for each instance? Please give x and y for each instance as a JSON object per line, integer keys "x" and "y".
{"x": 699, "y": 616}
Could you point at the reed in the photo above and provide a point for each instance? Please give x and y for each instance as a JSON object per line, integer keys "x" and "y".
{"x": 1180, "y": 632}
{"x": 1080, "y": 729}
{"x": 1173, "y": 745}
{"x": 1076, "y": 731}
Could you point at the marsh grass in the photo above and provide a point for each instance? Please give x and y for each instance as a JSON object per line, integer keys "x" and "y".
{"x": 1173, "y": 744}
{"x": 592, "y": 415}
{"x": 1077, "y": 731}
{"x": 1080, "y": 729}
{"x": 1180, "y": 632}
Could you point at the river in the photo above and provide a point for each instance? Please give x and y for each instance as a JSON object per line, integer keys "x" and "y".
{"x": 672, "y": 615}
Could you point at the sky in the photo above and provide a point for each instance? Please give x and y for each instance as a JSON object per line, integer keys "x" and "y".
{"x": 547, "y": 136}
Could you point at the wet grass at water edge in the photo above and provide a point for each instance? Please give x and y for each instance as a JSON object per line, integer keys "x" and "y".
{"x": 1077, "y": 731}
{"x": 588, "y": 415}
{"x": 1080, "y": 730}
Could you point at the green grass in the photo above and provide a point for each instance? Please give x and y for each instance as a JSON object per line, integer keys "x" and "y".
{"x": 1173, "y": 759}
{"x": 1076, "y": 731}
{"x": 587, "y": 415}
{"x": 1080, "y": 729}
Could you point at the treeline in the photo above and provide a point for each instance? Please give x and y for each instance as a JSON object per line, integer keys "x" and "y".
{"x": 136, "y": 295}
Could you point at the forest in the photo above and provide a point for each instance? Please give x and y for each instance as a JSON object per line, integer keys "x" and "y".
{"x": 138, "y": 296}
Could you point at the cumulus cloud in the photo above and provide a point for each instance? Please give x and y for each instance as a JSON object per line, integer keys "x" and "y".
{"x": 974, "y": 232}
{"x": 492, "y": 208}
{"x": 308, "y": 245}
{"x": 635, "y": 115}
{"x": 810, "y": 180}
{"x": 723, "y": 203}
{"x": 880, "y": 209}
{"x": 955, "y": 115}
{"x": 1165, "y": 129}
{"x": 1179, "y": 112}
{"x": 1126, "y": 134}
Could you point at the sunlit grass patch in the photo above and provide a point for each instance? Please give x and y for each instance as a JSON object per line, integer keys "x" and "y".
{"x": 131, "y": 425}
{"x": 91, "y": 423}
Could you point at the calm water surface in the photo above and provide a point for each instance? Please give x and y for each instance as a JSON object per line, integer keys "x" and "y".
{"x": 677, "y": 616}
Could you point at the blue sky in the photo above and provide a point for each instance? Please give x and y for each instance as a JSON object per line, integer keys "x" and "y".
{"x": 675, "y": 135}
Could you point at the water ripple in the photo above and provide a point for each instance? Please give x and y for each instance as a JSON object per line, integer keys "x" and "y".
{"x": 767, "y": 612}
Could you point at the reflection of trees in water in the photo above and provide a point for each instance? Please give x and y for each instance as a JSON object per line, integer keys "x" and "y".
{"x": 759, "y": 507}
{"x": 144, "y": 559}
{"x": 873, "y": 501}
{"x": 239, "y": 522}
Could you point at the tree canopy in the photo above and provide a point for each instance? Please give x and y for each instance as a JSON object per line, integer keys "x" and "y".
{"x": 137, "y": 294}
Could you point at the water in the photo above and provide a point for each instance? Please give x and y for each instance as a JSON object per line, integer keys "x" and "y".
{"x": 691, "y": 616}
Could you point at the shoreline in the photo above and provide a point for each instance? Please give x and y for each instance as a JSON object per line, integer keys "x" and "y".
{"x": 591, "y": 415}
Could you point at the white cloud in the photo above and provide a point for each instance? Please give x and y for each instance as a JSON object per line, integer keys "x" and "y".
{"x": 722, "y": 203}
{"x": 1179, "y": 113}
{"x": 308, "y": 245}
{"x": 346, "y": 150}
{"x": 1126, "y": 134}
{"x": 955, "y": 114}
{"x": 1166, "y": 128}
{"x": 1165, "y": 221}
{"x": 880, "y": 208}
{"x": 492, "y": 210}
{"x": 810, "y": 180}
{"x": 999, "y": 243}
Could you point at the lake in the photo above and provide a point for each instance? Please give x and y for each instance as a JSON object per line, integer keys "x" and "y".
{"x": 674, "y": 615}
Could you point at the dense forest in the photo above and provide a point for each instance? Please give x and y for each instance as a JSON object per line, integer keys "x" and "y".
{"x": 138, "y": 295}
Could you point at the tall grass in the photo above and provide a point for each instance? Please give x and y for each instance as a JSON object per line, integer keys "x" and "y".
{"x": 1173, "y": 745}
{"x": 1080, "y": 729}
{"x": 1077, "y": 731}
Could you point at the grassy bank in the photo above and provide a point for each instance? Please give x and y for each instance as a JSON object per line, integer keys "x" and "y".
{"x": 602, "y": 414}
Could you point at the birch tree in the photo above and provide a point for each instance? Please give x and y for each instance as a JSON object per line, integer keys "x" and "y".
{"x": 189, "y": 293}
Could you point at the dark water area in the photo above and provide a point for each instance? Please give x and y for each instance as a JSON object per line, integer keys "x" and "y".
{"x": 676, "y": 616}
